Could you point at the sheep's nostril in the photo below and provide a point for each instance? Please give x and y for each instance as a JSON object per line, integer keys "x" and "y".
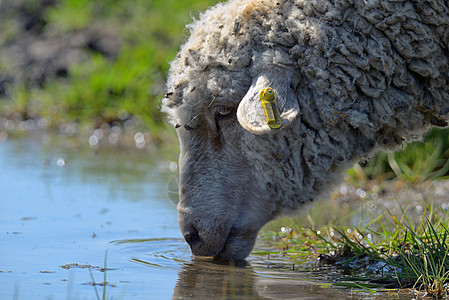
{"x": 191, "y": 236}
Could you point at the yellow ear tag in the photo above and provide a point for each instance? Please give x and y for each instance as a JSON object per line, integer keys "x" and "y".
{"x": 270, "y": 108}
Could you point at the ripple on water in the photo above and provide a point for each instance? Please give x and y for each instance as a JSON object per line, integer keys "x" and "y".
{"x": 164, "y": 253}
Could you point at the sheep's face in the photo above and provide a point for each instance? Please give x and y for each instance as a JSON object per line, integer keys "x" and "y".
{"x": 221, "y": 208}
{"x": 236, "y": 172}
{"x": 230, "y": 167}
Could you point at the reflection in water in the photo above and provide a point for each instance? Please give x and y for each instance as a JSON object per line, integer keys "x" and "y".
{"x": 204, "y": 279}
{"x": 207, "y": 279}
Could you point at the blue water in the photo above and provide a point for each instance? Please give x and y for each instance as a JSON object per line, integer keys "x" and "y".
{"x": 53, "y": 215}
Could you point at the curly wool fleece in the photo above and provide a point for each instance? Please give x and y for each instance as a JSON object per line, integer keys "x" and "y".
{"x": 352, "y": 76}
{"x": 380, "y": 66}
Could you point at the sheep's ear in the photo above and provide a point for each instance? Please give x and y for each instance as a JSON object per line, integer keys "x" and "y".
{"x": 250, "y": 112}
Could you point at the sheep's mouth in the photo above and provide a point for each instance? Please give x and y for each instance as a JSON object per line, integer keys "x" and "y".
{"x": 221, "y": 253}
{"x": 237, "y": 245}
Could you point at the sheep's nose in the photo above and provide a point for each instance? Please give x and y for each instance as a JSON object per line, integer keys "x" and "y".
{"x": 191, "y": 236}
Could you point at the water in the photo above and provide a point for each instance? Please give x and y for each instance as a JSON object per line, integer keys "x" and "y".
{"x": 66, "y": 213}
{"x": 53, "y": 214}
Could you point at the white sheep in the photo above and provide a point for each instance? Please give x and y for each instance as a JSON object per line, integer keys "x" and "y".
{"x": 351, "y": 77}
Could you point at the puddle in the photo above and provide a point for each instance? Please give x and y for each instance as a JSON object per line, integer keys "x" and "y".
{"x": 53, "y": 216}
{"x": 70, "y": 217}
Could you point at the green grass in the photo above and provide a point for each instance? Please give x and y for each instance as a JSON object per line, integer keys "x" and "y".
{"x": 416, "y": 163}
{"x": 423, "y": 258}
{"x": 397, "y": 251}
{"x": 101, "y": 88}
{"x": 63, "y": 16}
{"x": 104, "y": 283}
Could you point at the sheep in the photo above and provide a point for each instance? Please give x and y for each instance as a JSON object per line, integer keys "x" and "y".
{"x": 351, "y": 77}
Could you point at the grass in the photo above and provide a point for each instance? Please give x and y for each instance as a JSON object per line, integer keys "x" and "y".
{"x": 394, "y": 251}
{"x": 416, "y": 163}
{"x": 103, "y": 89}
{"x": 423, "y": 259}
{"x": 104, "y": 283}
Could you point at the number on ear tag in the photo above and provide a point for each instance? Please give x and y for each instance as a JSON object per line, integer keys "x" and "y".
{"x": 270, "y": 108}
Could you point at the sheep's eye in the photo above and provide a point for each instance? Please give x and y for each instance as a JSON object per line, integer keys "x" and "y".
{"x": 223, "y": 112}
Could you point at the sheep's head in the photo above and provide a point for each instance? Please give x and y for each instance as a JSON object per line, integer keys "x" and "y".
{"x": 234, "y": 168}
{"x": 232, "y": 164}
{"x": 345, "y": 84}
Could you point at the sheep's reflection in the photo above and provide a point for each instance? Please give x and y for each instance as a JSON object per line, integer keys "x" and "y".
{"x": 208, "y": 279}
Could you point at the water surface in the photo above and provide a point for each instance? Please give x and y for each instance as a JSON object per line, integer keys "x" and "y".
{"x": 65, "y": 208}
{"x": 60, "y": 206}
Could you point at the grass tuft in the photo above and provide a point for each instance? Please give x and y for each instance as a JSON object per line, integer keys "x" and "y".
{"x": 423, "y": 259}
{"x": 392, "y": 250}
